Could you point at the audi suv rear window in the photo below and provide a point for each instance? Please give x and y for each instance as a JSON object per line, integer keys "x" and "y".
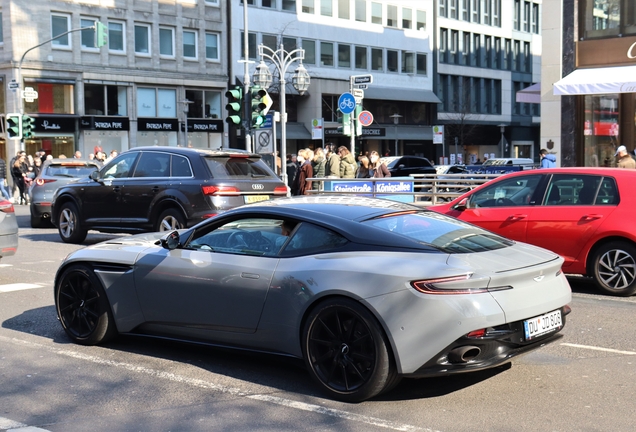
{"x": 70, "y": 170}
{"x": 238, "y": 168}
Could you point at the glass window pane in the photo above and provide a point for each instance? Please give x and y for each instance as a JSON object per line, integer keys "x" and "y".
{"x": 88, "y": 35}
{"x": 407, "y": 18}
{"x": 289, "y": 5}
{"x": 146, "y": 102}
{"x": 270, "y": 41}
{"x": 421, "y": 64}
{"x": 142, "y": 43}
{"x": 59, "y": 25}
{"x": 326, "y": 7}
{"x": 361, "y": 57}
{"x": 392, "y": 60}
{"x": 421, "y": 20}
{"x": 94, "y": 99}
{"x": 391, "y": 16}
{"x": 376, "y": 59}
{"x": 289, "y": 44}
{"x": 408, "y": 62}
{"x": 344, "y": 56}
{"x": 165, "y": 42}
{"x": 343, "y": 9}
{"x": 326, "y": 54}
{"x": 189, "y": 44}
{"x": 115, "y": 36}
{"x": 211, "y": 46}
{"x": 166, "y": 103}
{"x": 310, "y": 51}
{"x": 361, "y": 10}
{"x": 308, "y": 6}
{"x": 376, "y": 13}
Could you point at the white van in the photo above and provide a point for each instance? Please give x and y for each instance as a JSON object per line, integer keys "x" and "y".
{"x": 526, "y": 163}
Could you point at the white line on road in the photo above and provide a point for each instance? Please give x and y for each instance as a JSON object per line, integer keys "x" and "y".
{"x": 19, "y": 287}
{"x": 599, "y": 349}
{"x": 220, "y": 388}
{"x": 6, "y": 265}
{"x": 14, "y": 426}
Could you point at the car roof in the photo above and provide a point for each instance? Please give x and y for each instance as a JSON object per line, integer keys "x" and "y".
{"x": 194, "y": 151}
{"x": 70, "y": 161}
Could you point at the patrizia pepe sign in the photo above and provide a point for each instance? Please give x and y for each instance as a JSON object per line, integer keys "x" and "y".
{"x": 157, "y": 125}
{"x": 105, "y": 123}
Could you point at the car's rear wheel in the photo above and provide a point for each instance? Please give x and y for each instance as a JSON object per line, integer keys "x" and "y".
{"x": 169, "y": 220}
{"x": 82, "y": 306}
{"x": 69, "y": 225}
{"x": 614, "y": 268}
{"x": 346, "y": 351}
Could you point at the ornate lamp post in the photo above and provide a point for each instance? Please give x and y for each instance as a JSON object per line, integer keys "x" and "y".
{"x": 396, "y": 119}
{"x": 300, "y": 80}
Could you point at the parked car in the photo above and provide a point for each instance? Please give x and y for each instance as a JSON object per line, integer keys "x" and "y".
{"x": 8, "y": 229}
{"x": 160, "y": 188}
{"x": 291, "y": 277}
{"x": 583, "y": 214}
{"x": 54, "y": 174}
{"x": 502, "y": 166}
{"x": 404, "y": 166}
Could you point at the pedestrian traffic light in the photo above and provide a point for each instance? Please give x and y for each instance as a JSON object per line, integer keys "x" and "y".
{"x": 14, "y": 126}
{"x": 345, "y": 124}
{"x": 28, "y": 124}
{"x": 259, "y": 105}
{"x": 234, "y": 105}
{"x": 101, "y": 34}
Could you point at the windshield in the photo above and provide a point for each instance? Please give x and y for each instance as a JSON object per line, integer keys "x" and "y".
{"x": 70, "y": 170}
{"x": 239, "y": 168}
{"x": 440, "y": 231}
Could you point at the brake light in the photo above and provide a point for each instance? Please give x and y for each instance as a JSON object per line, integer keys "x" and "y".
{"x": 280, "y": 190}
{"x": 76, "y": 164}
{"x": 239, "y": 155}
{"x": 220, "y": 190}
{"x": 435, "y": 286}
{"x": 477, "y": 333}
{"x": 40, "y": 181}
{"x": 6, "y": 207}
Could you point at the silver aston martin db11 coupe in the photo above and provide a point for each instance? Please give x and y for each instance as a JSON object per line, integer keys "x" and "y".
{"x": 365, "y": 290}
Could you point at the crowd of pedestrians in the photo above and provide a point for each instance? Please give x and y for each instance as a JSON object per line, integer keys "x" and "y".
{"x": 330, "y": 163}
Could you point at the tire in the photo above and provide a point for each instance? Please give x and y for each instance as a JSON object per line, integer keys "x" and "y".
{"x": 346, "y": 351}
{"x": 614, "y": 268}
{"x": 82, "y": 306}
{"x": 69, "y": 225}
{"x": 169, "y": 220}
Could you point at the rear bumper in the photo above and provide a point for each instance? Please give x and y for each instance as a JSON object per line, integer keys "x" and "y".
{"x": 8, "y": 244}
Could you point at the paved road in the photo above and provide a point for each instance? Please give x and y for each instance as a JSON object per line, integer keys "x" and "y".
{"x": 583, "y": 382}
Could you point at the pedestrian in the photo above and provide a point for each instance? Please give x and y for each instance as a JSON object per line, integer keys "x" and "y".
{"x": 3, "y": 179}
{"x": 348, "y": 164}
{"x": 37, "y": 166}
{"x": 364, "y": 168}
{"x": 292, "y": 171}
{"x": 318, "y": 164}
{"x": 548, "y": 160}
{"x": 303, "y": 185}
{"x": 377, "y": 168}
{"x": 332, "y": 165}
{"x": 624, "y": 159}
{"x": 19, "y": 174}
{"x": 77, "y": 155}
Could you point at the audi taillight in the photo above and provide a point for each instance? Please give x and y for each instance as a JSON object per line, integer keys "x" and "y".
{"x": 6, "y": 207}
{"x": 40, "y": 181}
{"x": 280, "y": 190}
{"x": 220, "y": 190}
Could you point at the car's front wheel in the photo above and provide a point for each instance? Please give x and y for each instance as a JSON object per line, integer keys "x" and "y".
{"x": 614, "y": 268}
{"x": 82, "y": 306}
{"x": 169, "y": 220}
{"x": 69, "y": 225}
{"x": 346, "y": 351}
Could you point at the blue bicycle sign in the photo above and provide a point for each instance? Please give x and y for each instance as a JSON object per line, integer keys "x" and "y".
{"x": 346, "y": 103}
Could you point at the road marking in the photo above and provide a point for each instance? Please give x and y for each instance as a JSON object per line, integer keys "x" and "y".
{"x": 6, "y": 265}
{"x": 14, "y": 426}
{"x": 224, "y": 389}
{"x": 599, "y": 349}
{"x": 18, "y": 287}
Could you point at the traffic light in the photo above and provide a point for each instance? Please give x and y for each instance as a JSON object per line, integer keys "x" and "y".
{"x": 258, "y": 106}
{"x": 345, "y": 124}
{"x": 28, "y": 124}
{"x": 234, "y": 105}
{"x": 101, "y": 34}
{"x": 14, "y": 126}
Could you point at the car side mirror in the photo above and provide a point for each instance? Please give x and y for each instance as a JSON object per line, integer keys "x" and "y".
{"x": 95, "y": 176}
{"x": 170, "y": 241}
{"x": 461, "y": 205}
{"x": 401, "y": 166}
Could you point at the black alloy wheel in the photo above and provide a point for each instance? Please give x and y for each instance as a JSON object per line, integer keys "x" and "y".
{"x": 346, "y": 351}
{"x": 82, "y": 306}
{"x": 614, "y": 268}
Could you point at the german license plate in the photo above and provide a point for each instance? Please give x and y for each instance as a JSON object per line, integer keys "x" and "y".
{"x": 541, "y": 325}
{"x": 255, "y": 198}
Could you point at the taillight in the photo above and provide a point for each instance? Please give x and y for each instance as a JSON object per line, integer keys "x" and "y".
{"x": 450, "y": 286}
{"x": 40, "y": 181}
{"x": 220, "y": 190}
{"x": 477, "y": 333}
{"x": 6, "y": 207}
{"x": 280, "y": 190}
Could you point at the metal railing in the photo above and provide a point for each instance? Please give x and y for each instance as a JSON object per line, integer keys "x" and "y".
{"x": 426, "y": 189}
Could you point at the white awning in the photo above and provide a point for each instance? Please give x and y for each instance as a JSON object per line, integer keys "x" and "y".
{"x": 530, "y": 94}
{"x": 619, "y": 79}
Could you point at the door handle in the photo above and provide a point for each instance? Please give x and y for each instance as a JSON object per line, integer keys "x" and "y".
{"x": 116, "y": 188}
{"x": 592, "y": 216}
{"x": 517, "y": 217}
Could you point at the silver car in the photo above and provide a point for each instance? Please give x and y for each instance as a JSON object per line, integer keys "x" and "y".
{"x": 8, "y": 229}
{"x": 366, "y": 291}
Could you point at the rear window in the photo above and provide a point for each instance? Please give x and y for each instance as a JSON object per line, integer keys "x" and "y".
{"x": 70, "y": 170}
{"x": 440, "y": 231}
{"x": 238, "y": 168}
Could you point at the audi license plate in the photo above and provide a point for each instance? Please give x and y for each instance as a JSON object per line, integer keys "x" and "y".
{"x": 255, "y": 198}
{"x": 541, "y": 325}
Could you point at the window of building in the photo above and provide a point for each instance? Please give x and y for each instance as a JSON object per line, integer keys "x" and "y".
{"x": 269, "y": 4}
{"x": 527, "y": 57}
{"x": 166, "y": 41}
{"x": 189, "y": 44}
{"x": 392, "y": 60}
{"x": 270, "y": 41}
{"x": 443, "y": 45}
{"x": 420, "y": 24}
{"x": 60, "y": 23}
{"x": 454, "y": 46}
{"x": 310, "y": 51}
{"x": 249, "y": 2}
{"x": 102, "y": 99}
{"x": 516, "y": 56}
{"x": 212, "y": 2}
{"x": 326, "y": 54}
{"x": 421, "y": 64}
{"x": 361, "y": 10}
{"x": 289, "y": 5}
{"x": 476, "y": 10}
{"x": 497, "y": 54}
{"x": 156, "y": 102}
{"x": 377, "y": 59}
{"x": 376, "y": 13}
{"x": 251, "y": 43}
{"x": 361, "y": 57}
{"x": 408, "y": 62}
{"x": 52, "y": 98}
{"x": 443, "y": 8}
{"x": 116, "y": 37}
{"x": 289, "y": 44}
{"x": 205, "y": 104}
{"x": 212, "y": 46}
{"x": 465, "y": 15}
{"x": 391, "y": 16}
{"x": 87, "y": 36}
{"x": 466, "y": 49}
{"x": 452, "y": 10}
{"x": 142, "y": 39}
{"x": 516, "y": 15}
{"x": 535, "y": 18}
{"x": 526, "y": 17}
{"x": 344, "y": 56}
{"x": 496, "y": 13}
{"x": 488, "y": 51}
{"x": 476, "y": 53}
{"x": 407, "y": 18}
{"x": 508, "y": 60}
{"x": 326, "y": 8}
{"x": 308, "y": 6}
{"x": 487, "y": 12}
{"x": 343, "y": 9}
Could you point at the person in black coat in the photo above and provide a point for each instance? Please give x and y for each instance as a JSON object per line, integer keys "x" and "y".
{"x": 292, "y": 172}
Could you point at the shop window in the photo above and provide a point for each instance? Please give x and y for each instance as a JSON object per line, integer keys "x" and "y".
{"x": 212, "y": 46}
{"x": 600, "y": 130}
{"x": 105, "y": 100}
{"x": 142, "y": 39}
{"x": 60, "y": 23}
{"x": 166, "y": 42}
{"x": 52, "y": 98}
{"x": 87, "y": 36}
{"x": 156, "y": 102}
{"x": 205, "y": 104}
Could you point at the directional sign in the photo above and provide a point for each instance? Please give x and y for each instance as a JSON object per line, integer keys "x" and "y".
{"x": 14, "y": 85}
{"x": 361, "y": 79}
{"x": 360, "y": 86}
{"x": 346, "y": 103}
{"x": 365, "y": 118}
{"x": 358, "y": 93}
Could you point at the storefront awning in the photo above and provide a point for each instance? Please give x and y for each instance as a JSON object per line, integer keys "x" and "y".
{"x": 619, "y": 79}
{"x": 530, "y": 94}
{"x": 294, "y": 131}
{"x": 408, "y": 133}
{"x": 401, "y": 94}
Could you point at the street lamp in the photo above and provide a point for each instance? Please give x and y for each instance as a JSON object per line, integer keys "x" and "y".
{"x": 300, "y": 80}
{"x": 502, "y": 128}
{"x": 396, "y": 118}
{"x": 186, "y": 107}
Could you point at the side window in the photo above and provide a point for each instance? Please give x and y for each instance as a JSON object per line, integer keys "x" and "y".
{"x": 153, "y": 164}
{"x": 517, "y": 191}
{"x": 181, "y": 167}
{"x": 608, "y": 193}
{"x": 120, "y": 167}
{"x": 308, "y": 238}
{"x": 576, "y": 189}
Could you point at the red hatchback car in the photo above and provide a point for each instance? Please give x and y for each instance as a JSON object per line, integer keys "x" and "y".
{"x": 583, "y": 214}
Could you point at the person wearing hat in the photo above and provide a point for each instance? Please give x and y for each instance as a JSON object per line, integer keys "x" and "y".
{"x": 624, "y": 159}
